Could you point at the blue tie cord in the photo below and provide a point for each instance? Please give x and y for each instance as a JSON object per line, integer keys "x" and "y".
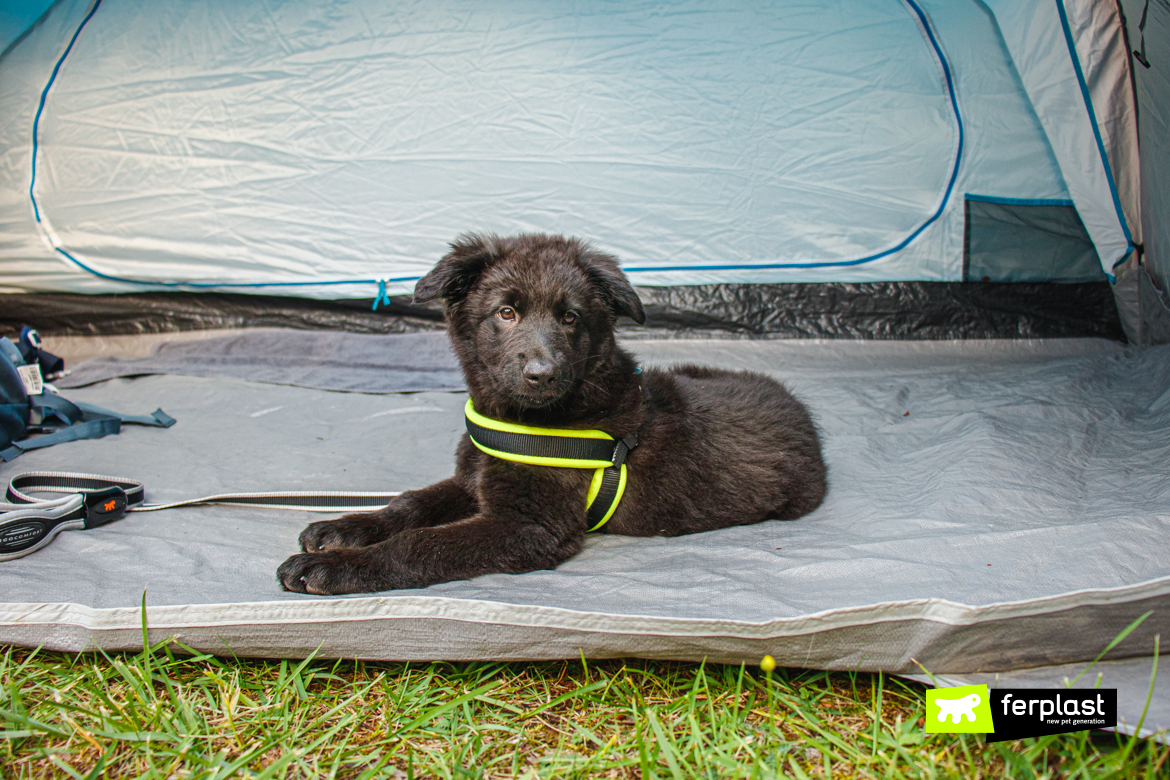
{"x": 381, "y": 297}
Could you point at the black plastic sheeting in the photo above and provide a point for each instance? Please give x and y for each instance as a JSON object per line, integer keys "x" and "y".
{"x": 66, "y": 314}
{"x": 877, "y": 310}
{"x": 887, "y": 310}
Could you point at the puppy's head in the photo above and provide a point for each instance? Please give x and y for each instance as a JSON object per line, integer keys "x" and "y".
{"x": 529, "y": 316}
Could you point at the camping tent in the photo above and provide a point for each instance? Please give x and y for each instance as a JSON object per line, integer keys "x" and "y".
{"x": 316, "y": 150}
{"x": 729, "y": 154}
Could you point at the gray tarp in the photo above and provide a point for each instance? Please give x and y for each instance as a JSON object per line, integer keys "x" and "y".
{"x": 322, "y": 360}
{"x": 992, "y": 507}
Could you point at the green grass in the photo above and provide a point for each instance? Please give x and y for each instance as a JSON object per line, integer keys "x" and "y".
{"x": 160, "y": 715}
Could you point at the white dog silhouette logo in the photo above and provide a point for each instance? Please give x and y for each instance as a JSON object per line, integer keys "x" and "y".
{"x": 957, "y": 709}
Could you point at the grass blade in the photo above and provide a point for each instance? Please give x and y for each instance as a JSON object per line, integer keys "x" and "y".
{"x": 1116, "y": 641}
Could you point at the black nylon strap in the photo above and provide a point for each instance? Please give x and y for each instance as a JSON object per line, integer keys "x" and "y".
{"x": 610, "y": 479}
{"x": 56, "y": 482}
{"x": 541, "y": 446}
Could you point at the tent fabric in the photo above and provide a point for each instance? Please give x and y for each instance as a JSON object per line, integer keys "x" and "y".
{"x": 967, "y": 481}
{"x": 1155, "y": 311}
{"x": 17, "y": 16}
{"x": 1153, "y": 91}
{"x": 326, "y": 147}
{"x": 1073, "y": 61}
{"x": 1153, "y": 87}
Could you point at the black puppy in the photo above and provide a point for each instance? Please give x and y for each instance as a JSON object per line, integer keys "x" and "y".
{"x": 531, "y": 319}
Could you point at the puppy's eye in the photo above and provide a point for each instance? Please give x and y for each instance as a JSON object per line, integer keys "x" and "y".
{"x": 569, "y": 318}
{"x": 506, "y": 313}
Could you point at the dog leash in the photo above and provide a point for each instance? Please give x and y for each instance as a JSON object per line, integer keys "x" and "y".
{"x": 27, "y": 524}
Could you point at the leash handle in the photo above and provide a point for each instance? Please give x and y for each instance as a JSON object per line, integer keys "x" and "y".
{"x": 27, "y": 523}
{"x": 24, "y": 529}
{"x": 21, "y": 485}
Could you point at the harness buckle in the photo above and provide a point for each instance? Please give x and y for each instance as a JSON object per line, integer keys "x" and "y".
{"x": 622, "y": 449}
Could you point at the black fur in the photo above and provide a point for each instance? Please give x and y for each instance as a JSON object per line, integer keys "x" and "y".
{"x": 717, "y": 448}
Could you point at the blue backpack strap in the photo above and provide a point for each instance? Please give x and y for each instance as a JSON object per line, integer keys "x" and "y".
{"x": 49, "y": 405}
{"x": 46, "y": 405}
{"x": 14, "y": 407}
{"x": 93, "y": 429}
{"x": 156, "y": 419}
{"x": 83, "y": 421}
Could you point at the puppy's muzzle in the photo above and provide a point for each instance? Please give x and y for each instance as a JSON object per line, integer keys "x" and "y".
{"x": 540, "y": 374}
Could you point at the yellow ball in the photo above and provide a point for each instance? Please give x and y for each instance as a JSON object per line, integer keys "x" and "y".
{"x": 768, "y": 664}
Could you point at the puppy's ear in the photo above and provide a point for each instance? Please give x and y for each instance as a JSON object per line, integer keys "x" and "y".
{"x": 615, "y": 289}
{"x": 455, "y": 274}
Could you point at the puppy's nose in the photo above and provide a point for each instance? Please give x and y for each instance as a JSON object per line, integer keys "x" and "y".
{"x": 538, "y": 373}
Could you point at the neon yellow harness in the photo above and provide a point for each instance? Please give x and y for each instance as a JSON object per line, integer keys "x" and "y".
{"x": 564, "y": 448}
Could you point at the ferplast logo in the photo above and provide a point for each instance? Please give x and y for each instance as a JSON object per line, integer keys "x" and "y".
{"x": 962, "y": 710}
{"x": 1022, "y": 712}
{"x": 1017, "y": 713}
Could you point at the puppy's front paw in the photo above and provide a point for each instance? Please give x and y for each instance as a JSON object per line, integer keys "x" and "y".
{"x": 357, "y": 530}
{"x": 325, "y": 573}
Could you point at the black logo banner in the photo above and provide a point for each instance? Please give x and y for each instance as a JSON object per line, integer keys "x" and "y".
{"x": 1032, "y": 712}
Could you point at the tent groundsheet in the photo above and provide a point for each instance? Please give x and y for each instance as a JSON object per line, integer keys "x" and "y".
{"x": 990, "y": 510}
{"x": 326, "y": 361}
